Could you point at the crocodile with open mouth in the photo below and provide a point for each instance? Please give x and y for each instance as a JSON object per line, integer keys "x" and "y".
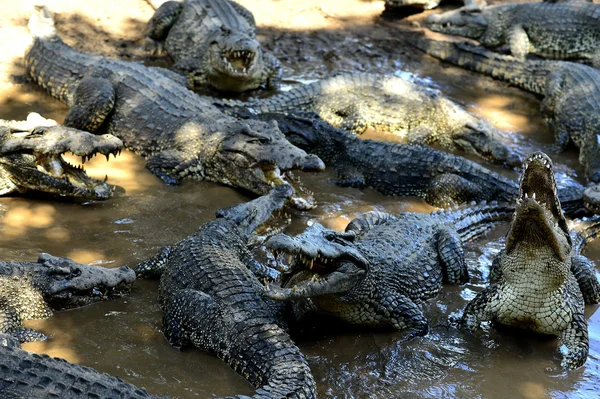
{"x": 180, "y": 134}
{"x": 408, "y": 110}
{"x": 542, "y": 281}
{"x": 378, "y": 271}
{"x": 558, "y": 30}
{"x": 211, "y": 300}
{"x": 31, "y": 159}
{"x": 214, "y": 43}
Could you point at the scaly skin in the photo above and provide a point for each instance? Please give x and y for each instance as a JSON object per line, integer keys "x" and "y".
{"x": 33, "y": 376}
{"x": 562, "y": 30}
{"x": 383, "y": 266}
{"x": 386, "y": 103}
{"x": 442, "y": 179}
{"x": 29, "y": 290}
{"x": 211, "y": 300}
{"x": 31, "y": 159}
{"x": 543, "y": 281}
{"x": 591, "y": 198}
{"x": 180, "y": 134}
{"x": 214, "y": 43}
{"x": 571, "y": 93}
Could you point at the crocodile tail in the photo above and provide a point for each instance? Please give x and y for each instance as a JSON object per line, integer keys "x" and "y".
{"x": 584, "y": 231}
{"x": 41, "y": 23}
{"x": 529, "y": 75}
{"x": 474, "y": 220}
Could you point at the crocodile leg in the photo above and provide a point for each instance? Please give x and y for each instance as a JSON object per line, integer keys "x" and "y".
{"x": 154, "y": 266}
{"x": 447, "y": 189}
{"x": 163, "y": 19}
{"x": 11, "y": 323}
{"x": 584, "y": 271}
{"x": 575, "y": 338}
{"x": 452, "y": 256}
{"x": 272, "y": 70}
{"x": 518, "y": 42}
{"x": 93, "y": 100}
{"x": 420, "y": 135}
{"x": 169, "y": 165}
{"x": 402, "y": 313}
{"x": 479, "y": 309}
{"x": 188, "y": 316}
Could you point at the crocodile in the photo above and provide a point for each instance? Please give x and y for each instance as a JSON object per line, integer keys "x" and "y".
{"x": 542, "y": 281}
{"x": 30, "y": 290}
{"x": 29, "y": 375}
{"x": 571, "y": 93}
{"x": 180, "y": 134}
{"x": 561, "y": 30}
{"x": 383, "y": 266}
{"x": 591, "y": 198}
{"x": 441, "y": 178}
{"x": 213, "y": 42}
{"x": 403, "y": 107}
{"x": 212, "y": 300}
{"x": 31, "y": 159}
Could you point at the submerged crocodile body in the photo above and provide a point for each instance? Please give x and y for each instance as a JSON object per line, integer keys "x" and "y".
{"x": 543, "y": 282}
{"x": 383, "y": 266}
{"x": 211, "y": 300}
{"x": 32, "y": 376}
{"x": 390, "y": 104}
{"x": 214, "y": 43}
{"x": 442, "y": 179}
{"x": 571, "y": 93}
{"x": 562, "y": 30}
{"x": 29, "y": 290}
{"x": 31, "y": 159}
{"x": 180, "y": 134}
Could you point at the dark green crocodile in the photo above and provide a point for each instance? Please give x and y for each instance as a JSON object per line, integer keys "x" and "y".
{"x": 399, "y": 106}
{"x": 379, "y": 270}
{"x": 29, "y": 290}
{"x": 563, "y": 30}
{"x": 442, "y": 179}
{"x": 571, "y": 93}
{"x": 31, "y": 159}
{"x": 180, "y": 134}
{"x": 542, "y": 280}
{"x": 214, "y": 43}
{"x": 211, "y": 300}
{"x": 29, "y": 375}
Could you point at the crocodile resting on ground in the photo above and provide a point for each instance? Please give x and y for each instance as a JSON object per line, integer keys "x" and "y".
{"x": 211, "y": 300}
{"x": 390, "y": 104}
{"x": 542, "y": 280}
{"x": 180, "y": 134}
{"x": 571, "y": 91}
{"x": 29, "y": 375}
{"x": 442, "y": 179}
{"x": 31, "y": 159}
{"x": 563, "y": 30}
{"x": 29, "y": 290}
{"x": 214, "y": 43}
{"x": 379, "y": 270}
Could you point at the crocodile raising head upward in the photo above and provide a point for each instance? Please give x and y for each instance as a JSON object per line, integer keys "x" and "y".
{"x": 571, "y": 91}
{"x": 542, "y": 280}
{"x": 214, "y": 43}
{"x": 377, "y": 272}
{"x": 442, "y": 179}
{"x": 211, "y": 300}
{"x": 29, "y": 290}
{"x": 399, "y": 106}
{"x": 180, "y": 134}
{"x": 563, "y": 30}
{"x": 31, "y": 159}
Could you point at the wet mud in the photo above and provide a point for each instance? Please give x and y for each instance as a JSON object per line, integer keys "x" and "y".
{"x": 312, "y": 39}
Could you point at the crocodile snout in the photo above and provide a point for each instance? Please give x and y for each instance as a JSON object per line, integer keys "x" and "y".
{"x": 312, "y": 163}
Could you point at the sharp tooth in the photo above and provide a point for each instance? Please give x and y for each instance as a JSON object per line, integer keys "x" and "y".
{"x": 325, "y": 261}
{"x": 526, "y": 195}
{"x": 310, "y": 266}
{"x": 105, "y": 178}
{"x": 533, "y": 196}
{"x": 313, "y": 278}
{"x": 106, "y": 155}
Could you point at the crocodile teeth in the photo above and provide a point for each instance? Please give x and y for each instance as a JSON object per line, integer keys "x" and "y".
{"x": 310, "y": 265}
{"x": 533, "y": 197}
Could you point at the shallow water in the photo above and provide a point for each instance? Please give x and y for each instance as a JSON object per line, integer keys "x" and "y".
{"x": 123, "y": 337}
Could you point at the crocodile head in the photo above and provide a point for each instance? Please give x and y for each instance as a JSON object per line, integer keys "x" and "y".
{"x": 33, "y": 160}
{"x": 467, "y": 21}
{"x": 538, "y": 221}
{"x": 251, "y": 215}
{"x": 256, "y": 156}
{"x": 233, "y": 61}
{"x": 321, "y": 262}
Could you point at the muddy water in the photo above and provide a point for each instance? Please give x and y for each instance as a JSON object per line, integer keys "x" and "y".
{"x": 123, "y": 337}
